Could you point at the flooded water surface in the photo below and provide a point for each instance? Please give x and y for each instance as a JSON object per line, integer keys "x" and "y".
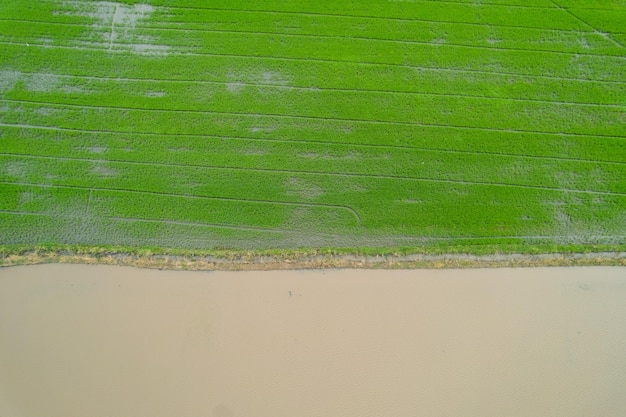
{"x": 111, "y": 341}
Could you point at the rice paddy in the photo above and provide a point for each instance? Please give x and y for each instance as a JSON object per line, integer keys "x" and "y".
{"x": 267, "y": 124}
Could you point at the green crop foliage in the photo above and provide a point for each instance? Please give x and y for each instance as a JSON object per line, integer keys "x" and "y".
{"x": 190, "y": 125}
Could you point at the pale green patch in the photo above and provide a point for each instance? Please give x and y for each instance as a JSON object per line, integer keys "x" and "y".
{"x": 303, "y": 188}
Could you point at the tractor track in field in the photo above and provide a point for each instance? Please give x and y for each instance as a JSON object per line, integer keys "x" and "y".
{"x": 328, "y": 235}
{"x": 138, "y": 219}
{"x": 399, "y": 41}
{"x": 474, "y": 4}
{"x": 338, "y": 174}
{"x": 293, "y": 232}
{"x": 285, "y": 171}
{"x": 593, "y": 28}
{"x": 177, "y": 223}
{"x": 171, "y": 52}
{"x": 322, "y": 89}
{"x": 315, "y": 118}
{"x": 426, "y": 21}
{"x": 189, "y": 196}
{"x": 312, "y": 142}
{"x": 194, "y": 50}
{"x": 111, "y": 29}
{"x": 349, "y": 145}
{"x": 353, "y": 16}
{"x": 460, "y": 3}
{"x": 398, "y": 19}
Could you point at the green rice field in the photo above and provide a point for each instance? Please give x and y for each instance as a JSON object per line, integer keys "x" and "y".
{"x": 250, "y": 124}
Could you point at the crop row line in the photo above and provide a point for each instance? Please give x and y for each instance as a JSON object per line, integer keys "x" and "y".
{"x": 351, "y": 16}
{"x": 316, "y": 118}
{"x": 445, "y": 45}
{"x": 399, "y": 41}
{"x": 527, "y": 237}
{"x": 471, "y": 71}
{"x": 322, "y": 36}
{"x": 430, "y": 21}
{"x": 241, "y": 200}
{"x": 465, "y": 3}
{"x": 385, "y": 177}
{"x": 315, "y": 142}
{"x": 396, "y": 19}
{"x": 520, "y": 237}
{"x": 318, "y": 60}
{"x": 316, "y": 89}
{"x": 479, "y": 5}
{"x": 578, "y": 18}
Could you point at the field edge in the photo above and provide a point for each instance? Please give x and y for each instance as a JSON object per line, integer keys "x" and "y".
{"x": 427, "y": 257}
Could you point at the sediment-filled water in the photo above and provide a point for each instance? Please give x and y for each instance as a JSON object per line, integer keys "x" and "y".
{"x": 114, "y": 341}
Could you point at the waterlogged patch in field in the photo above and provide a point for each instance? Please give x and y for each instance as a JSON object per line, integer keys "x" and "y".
{"x": 273, "y": 125}
{"x": 97, "y": 24}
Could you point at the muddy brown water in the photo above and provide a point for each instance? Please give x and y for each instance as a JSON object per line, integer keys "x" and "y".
{"x": 113, "y": 341}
